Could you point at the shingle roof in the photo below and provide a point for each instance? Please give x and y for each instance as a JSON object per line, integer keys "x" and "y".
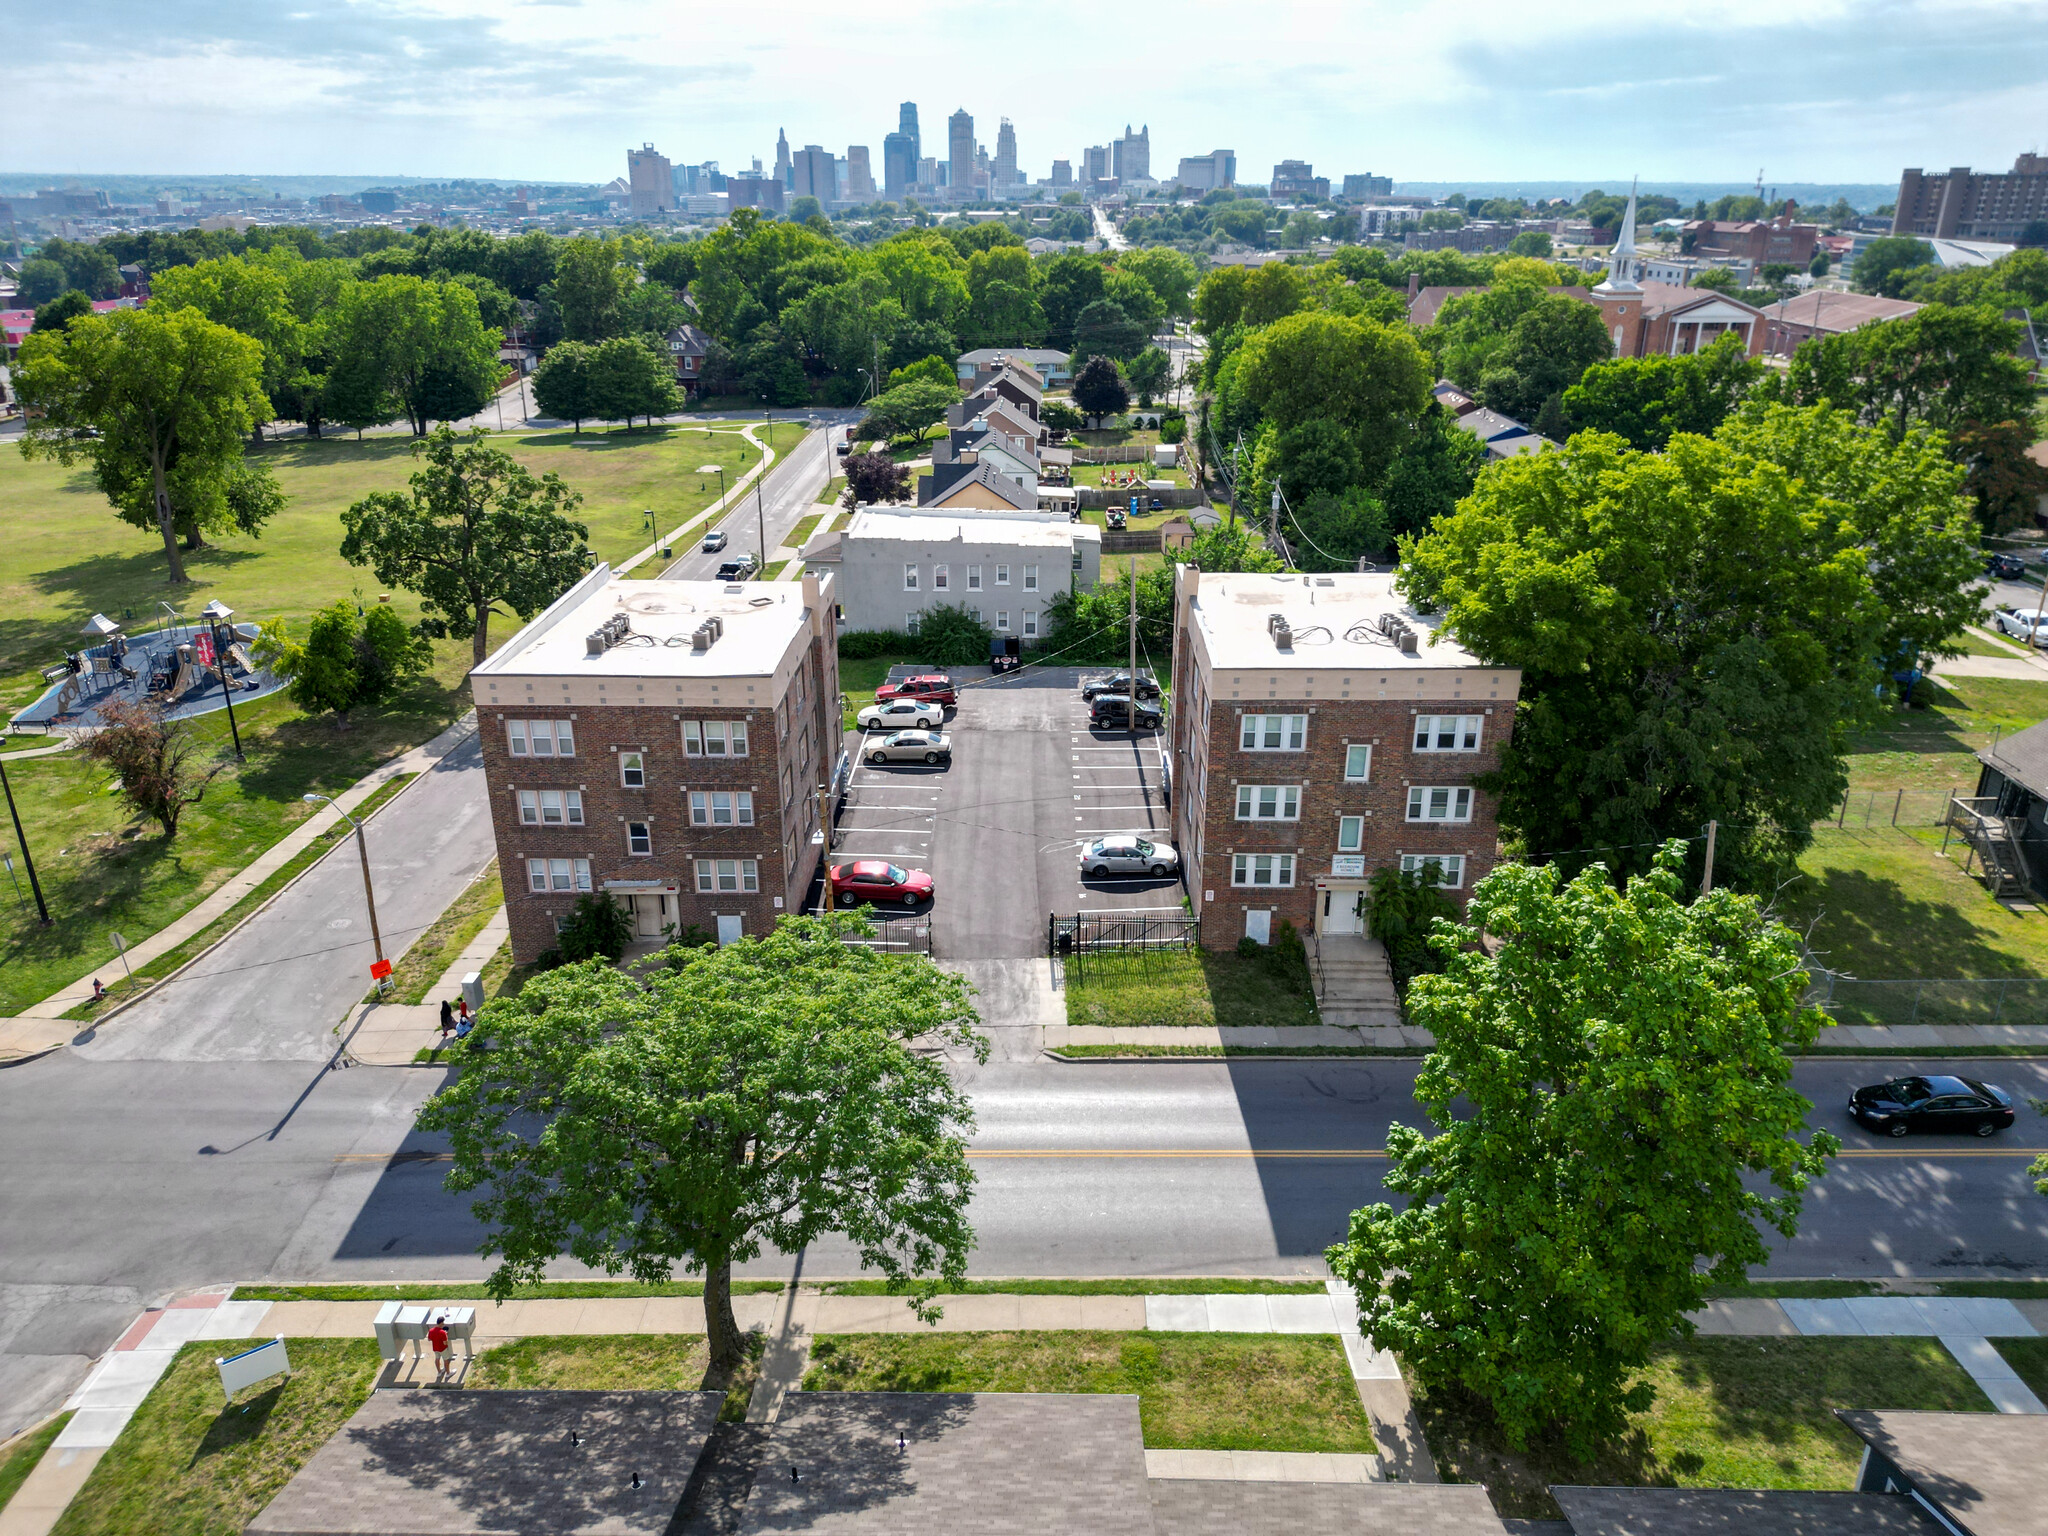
{"x": 980, "y": 474}
{"x": 1202, "y": 1507}
{"x": 1739, "y": 1512}
{"x": 2021, "y": 757}
{"x": 1827, "y": 310}
{"x": 1987, "y": 1472}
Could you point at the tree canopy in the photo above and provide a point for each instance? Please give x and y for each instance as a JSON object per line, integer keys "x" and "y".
{"x": 1645, "y": 400}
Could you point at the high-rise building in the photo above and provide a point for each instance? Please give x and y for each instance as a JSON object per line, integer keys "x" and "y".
{"x": 1004, "y": 173}
{"x": 1359, "y": 188}
{"x": 1961, "y": 204}
{"x": 783, "y": 169}
{"x": 1131, "y": 157}
{"x": 1297, "y": 178}
{"x": 960, "y": 152}
{"x": 811, "y": 174}
{"x": 1205, "y": 173}
{"x": 860, "y": 176}
{"x": 1095, "y": 163}
{"x": 899, "y": 164}
{"x": 651, "y": 180}
{"x": 931, "y": 171}
{"x": 906, "y": 124}
{"x": 1063, "y": 173}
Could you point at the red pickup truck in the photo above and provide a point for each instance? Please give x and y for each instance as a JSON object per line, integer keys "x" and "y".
{"x": 932, "y": 688}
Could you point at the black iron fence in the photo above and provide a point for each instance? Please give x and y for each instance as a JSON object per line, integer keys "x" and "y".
{"x": 906, "y": 934}
{"x": 1084, "y": 934}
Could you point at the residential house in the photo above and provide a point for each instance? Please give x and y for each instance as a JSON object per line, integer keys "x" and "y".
{"x": 2007, "y": 819}
{"x": 1827, "y": 312}
{"x": 1002, "y": 414}
{"x": 688, "y": 347}
{"x": 890, "y": 564}
{"x": 1300, "y": 770}
{"x": 1018, "y": 386}
{"x": 977, "y": 367}
{"x": 978, "y": 443}
{"x": 679, "y": 776}
{"x": 972, "y": 484}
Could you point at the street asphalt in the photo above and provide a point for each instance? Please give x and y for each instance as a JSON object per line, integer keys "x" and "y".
{"x": 789, "y": 493}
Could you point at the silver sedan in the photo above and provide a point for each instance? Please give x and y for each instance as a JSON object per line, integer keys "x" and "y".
{"x": 912, "y": 747}
{"x": 902, "y": 714}
{"x": 1128, "y": 854}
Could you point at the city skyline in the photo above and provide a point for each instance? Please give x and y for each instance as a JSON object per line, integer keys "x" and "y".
{"x": 555, "y": 91}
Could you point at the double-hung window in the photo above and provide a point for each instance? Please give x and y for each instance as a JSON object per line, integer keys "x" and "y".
{"x": 551, "y": 807}
{"x": 541, "y": 738}
{"x": 639, "y": 838}
{"x": 715, "y": 875}
{"x": 1002, "y": 618}
{"x": 1030, "y": 578}
{"x": 723, "y": 808}
{"x": 1273, "y": 733}
{"x": 1268, "y": 802}
{"x": 1350, "y": 834}
{"x": 632, "y": 770}
{"x": 558, "y": 874}
{"x": 1030, "y": 621}
{"x": 1438, "y": 802}
{"x": 1002, "y": 575}
{"x": 974, "y": 578}
{"x": 1262, "y": 869}
{"x": 1448, "y": 733}
{"x": 910, "y": 578}
{"x": 714, "y": 738}
{"x": 1450, "y": 867}
{"x": 1357, "y": 764}
{"x": 942, "y": 578}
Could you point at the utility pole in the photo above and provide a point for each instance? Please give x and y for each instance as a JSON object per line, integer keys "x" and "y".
{"x": 369, "y": 895}
{"x": 1131, "y": 703}
{"x": 760, "y": 523}
{"x": 1707, "y": 881}
{"x": 28, "y": 863}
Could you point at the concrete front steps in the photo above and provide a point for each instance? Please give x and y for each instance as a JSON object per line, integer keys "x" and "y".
{"x": 1354, "y": 987}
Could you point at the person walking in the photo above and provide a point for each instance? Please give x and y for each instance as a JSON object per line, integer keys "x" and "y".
{"x": 444, "y": 1358}
{"x": 447, "y": 1020}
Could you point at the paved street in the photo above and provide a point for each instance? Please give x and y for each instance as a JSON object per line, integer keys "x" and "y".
{"x": 789, "y": 493}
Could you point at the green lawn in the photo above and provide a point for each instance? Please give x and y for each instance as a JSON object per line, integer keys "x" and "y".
{"x": 1093, "y": 474}
{"x": 1176, "y": 1285}
{"x": 435, "y": 950}
{"x": 20, "y": 1459}
{"x": 1184, "y": 987}
{"x": 547, "y": 1290}
{"x": 1196, "y": 1391}
{"x": 1983, "y": 643}
{"x": 188, "y": 1466}
{"x": 1729, "y": 1412}
{"x": 1931, "y": 746}
{"x": 2029, "y": 1357}
{"x": 834, "y": 489}
{"x": 617, "y": 1362}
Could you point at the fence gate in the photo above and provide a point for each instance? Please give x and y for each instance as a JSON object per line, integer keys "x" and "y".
{"x": 1083, "y": 934}
{"x": 900, "y": 935}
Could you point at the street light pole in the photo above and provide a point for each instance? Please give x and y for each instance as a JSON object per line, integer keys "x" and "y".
{"x": 363, "y": 852}
{"x": 28, "y": 862}
{"x": 215, "y": 613}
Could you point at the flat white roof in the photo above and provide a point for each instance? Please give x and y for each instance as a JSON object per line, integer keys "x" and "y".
{"x": 1043, "y": 531}
{"x": 762, "y": 620}
{"x": 1334, "y": 622}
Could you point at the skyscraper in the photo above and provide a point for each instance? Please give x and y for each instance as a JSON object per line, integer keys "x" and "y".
{"x": 812, "y": 174}
{"x": 906, "y": 123}
{"x": 1132, "y": 155}
{"x": 860, "y": 177}
{"x": 1004, "y": 173}
{"x": 899, "y": 163}
{"x": 783, "y": 170}
{"x": 651, "y": 180}
{"x": 1095, "y": 163}
{"x": 960, "y": 152}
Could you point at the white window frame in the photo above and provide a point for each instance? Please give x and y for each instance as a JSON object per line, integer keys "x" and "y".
{"x": 544, "y": 875}
{"x": 909, "y": 577}
{"x": 1003, "y": 619}
{"x": 942, "y": 578}
{"x": 515, "y": 737}
{"x": 1269, "y": 802}
{"x": 1292, "y": 730}
{"x": 1350, "y": 834}
{"x": 1030, "y": 622}
{"x": 1245, "y": 869}
{"x": 1450, "y": 866}
{"x": 1465, "y": 731}
{"x": 1002, "y": 575}
{"x": 1439, "y": 802}
{"x": 632, "y": 770}
{"x": 523, "y": 738}
{"x": 737, "y": 810}
{"x": 730, "y": 735}
{"x": 728, "y": 876}
{"x": 640, "y": 839}
{"x": 1358, "y": 756}
{"x": 974, "y": 578}
{"x": 911, "y": 620}
{"x": 1030, "y": 578}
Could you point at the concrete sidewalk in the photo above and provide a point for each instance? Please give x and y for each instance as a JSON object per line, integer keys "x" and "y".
{"x": 392, "y": 1034}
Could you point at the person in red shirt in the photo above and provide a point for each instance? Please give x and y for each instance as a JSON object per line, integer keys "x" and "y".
{"x": 444, "y": 1359}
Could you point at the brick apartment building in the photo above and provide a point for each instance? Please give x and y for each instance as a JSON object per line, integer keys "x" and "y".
{"x": 664, "y": 742}
{"x": 1321, "y": 733}
{"x": 1967, "y": 205}
{"x": 1761, "y": 242}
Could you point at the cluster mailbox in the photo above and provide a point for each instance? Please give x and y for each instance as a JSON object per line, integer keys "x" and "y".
{"x": 398, "y": 1323}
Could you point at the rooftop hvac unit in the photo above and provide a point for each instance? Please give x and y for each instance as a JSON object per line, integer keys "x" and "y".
{"x": 705, "y": 634}
{"x": 1278, "y": 627}
{"x": 596, "y": 643}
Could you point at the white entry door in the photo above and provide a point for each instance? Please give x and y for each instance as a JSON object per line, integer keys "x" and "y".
{"x": 650, "y": 916}
{"x": 728, "y": 928}
{"x": 1340, "y": 912}
{"x": 1258, "y": 926}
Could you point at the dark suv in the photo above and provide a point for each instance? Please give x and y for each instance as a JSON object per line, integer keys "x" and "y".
{"x": 2006, "y": 567}
{"x": 1112, "y": 712}
{"x": 741, "y": 569}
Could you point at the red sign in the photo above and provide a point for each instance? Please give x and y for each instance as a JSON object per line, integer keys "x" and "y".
{"x": 202, "y": 647}
{"x": 380, "y": 970}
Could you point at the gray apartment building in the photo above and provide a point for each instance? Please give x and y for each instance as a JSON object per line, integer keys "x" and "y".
{"x": 665, "y": 743}
{"x": 1959, "y": 204}
{"x": 1322, "y": 731}
{"x": 891, "y": 564}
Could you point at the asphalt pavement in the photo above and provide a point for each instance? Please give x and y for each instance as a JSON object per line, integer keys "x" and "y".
{"x": 789, "y": 493}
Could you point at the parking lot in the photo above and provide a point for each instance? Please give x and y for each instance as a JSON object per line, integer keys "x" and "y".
{"x": 1000, "y": 829}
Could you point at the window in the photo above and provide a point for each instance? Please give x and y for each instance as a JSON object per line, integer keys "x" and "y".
{"x": 910, "y": 578}
{"x": 974, "y": 614}
{"x": 632, "y": 770}
{"x": 1030, "y": 578}
{"x": 714, "y": 738}
{"x": 1447, "y": 733}
{"x": 1002, "y": 575}
{"x": 1274, "y": 733}
{"x": 551, "y": 807}
{"x": 1439, "y": 803}
{"x": 1002, "y": 618}
{"x": 639, "y": 837}
{"x": 541, "y": 738}
{"x": 974, "y": 578}
{"x": 558, "y": 874}
{"x": 1450, "y": 867}
{"x": 728, "y": 875}
{"x": 1268, "y": 802}
{"x": 910, "y": 622}
{"x": 1350, "y": 834}
{"x": 1262, "y": 869}
{"x": 1031, "y": 621}
{"x": 723, "y": 808}
{"x": 1357, "y": 764}
{"x": 941, "y": 578}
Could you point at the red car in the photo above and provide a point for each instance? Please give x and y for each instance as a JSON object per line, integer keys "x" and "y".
{"x": 932, "y": 688}
{"x": 879, "y": 880}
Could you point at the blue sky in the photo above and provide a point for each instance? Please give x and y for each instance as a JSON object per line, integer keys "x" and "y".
{"x": 1417, "y": 89}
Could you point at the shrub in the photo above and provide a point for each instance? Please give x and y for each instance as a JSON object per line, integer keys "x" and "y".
{"x": 950, "y": 637}
{"x": 597, "y": 927}
{"x": 1400, "y": 908}
{"x": 1172, "y": 429}
{"x": 867, "y": 644}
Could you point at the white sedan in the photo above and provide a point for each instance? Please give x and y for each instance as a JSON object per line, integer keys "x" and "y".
{"x": 2020, "y": 624}
{"x": 1128, "y": 853}
{"x": 902, "y": 715}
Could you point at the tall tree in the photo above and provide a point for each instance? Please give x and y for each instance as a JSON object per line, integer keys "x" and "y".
{"x": 247, "y": 297}
{"x": 420, "y": 344}
{"x": 907, "y": 410}
{"x": 1432, "y": 470}
{"x": 875, "y": 478}
{"x": 1545, "y": 353}
{"x": 1370, "y": 379}
{"x": 632, "y": 376}
{"x": 763, "y": 1093}
{"x": 1883, "y": 264}
{"x": 590, "y": 285}
{"x": 478, "y": 534}
{"x": 1611, "y": 1090}
{"x": 158, "y": 402}
{"x": 1099, "y": 389}
{"x": 1941, "y": 367}
{"x": 1644, "y": 400}
{"x": 564, "y": 385}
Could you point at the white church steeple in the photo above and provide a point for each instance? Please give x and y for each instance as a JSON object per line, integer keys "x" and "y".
{"x": 1622, "y": 267}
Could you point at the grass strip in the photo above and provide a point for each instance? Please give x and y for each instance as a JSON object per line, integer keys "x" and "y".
{"x": 169, "y": 961}
{"x": 547, "y": 1290}
{"x": 628, "y": 1362}
{"x": 2027, "y": 1357}
{"x": 434, "y": 951}
{"x": 1729, "y": 1412}
{"x": 1217, "y": 1052}
{"x": 803, "y": 530}
{"x": 1921, "y": 1051}
{"x": 186, "y": 1465}
{"x": 1807, "y": 1290}
{"x": 1176, "y": 1285}
{"x": 1196, "y": 1391}
{"x": 21, "y": 1457}
{"x": 2010, "y": 1290}
{"x": 1190, "y": 987}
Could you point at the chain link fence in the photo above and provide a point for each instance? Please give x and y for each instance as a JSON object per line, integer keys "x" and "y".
{"x": 1955, "y": 1000}
{"x": 1866, "y": 808}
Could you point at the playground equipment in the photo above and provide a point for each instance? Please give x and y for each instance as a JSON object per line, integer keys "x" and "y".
{"x": 172, "y": 663}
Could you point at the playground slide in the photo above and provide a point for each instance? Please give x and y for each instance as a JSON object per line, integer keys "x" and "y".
{"x": 239, "y": 655}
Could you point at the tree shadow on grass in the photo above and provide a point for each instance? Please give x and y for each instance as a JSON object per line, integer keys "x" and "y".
{"x": 85, "y": 897}
{"x": 236, "y": 1425}
{"x": 1871, "y": 926}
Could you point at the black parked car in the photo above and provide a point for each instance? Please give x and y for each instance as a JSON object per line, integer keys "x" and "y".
{"x": 2006, "y": 567}
{"x": 1120, "y": 683}
{"x": 1112, "y": 712}
{"x": 1950, "y": 1104}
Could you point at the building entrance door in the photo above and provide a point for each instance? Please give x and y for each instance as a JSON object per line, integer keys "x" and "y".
{"x": 1338, "y": 911}
{"x": 650, "y": 916}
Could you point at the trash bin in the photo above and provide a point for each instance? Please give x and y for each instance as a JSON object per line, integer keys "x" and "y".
{"x": 411, "y": 1324}
{"x": 387, "y": 1329}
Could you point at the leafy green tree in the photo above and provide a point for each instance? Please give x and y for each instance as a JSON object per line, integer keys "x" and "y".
{"x": 1099, "y": 390}
{"x": 874, "y": 479}
{"x": 1715, "y": 279}
{"x": 247, "y": 297}
{"x": 478, "y": 534}
{"x": 1230, "y": 547}
{"x": 1884, "y": 262}
{"x": 1273, "y": 292}
{"x": 564, "y": 385}
{"x": 1370, "y": 379}
{"x": 1545, "y": 353}
{"x": 91, "y": 269}
{"x": 632, "y": 376}
{"x": 1104, "y": 330}
{"x": 932, "y": 370}
{"x": 908, "y": 409}
{"x": 1818, "y": 267}
{"x": 1940, "y": 368}
{"x": 589, "y": 289}
{"x": 1431, "y": 472}
{"x": 1334, "y": 530}
{"x": 1219, "y": 301}
{"x": 1624, "y": 1127}
{"x": 497, "y": 308}
{"x": 926, "y": 276}
{"x": 1059, "y": 416}
{"x": 1148, "y": 373}
{"x": 158, "y": 402}
{"x": 1644, "y": 400}
{"x": 62, "y": 310}
{"x": 1402, "y": 908}
{"x": 1315, "y": 456}
{"x": 417, "y": 344}
{"x": 41, "y": 281}
{"x": 1530, "y": 242}
{"x": 349, "y": 659}
{"x": 1095, "y": 626}
{"x": 949, "y": 636}
{"x": 1242, "y": 222}
{"x": 1170, "y": 274}
{"x": 1131, "y": 293}
{"x": 1068, "y": 284}
{"x": 762, "y": 1093}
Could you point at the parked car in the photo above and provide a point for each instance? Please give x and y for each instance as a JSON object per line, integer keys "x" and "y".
{"x": 741, "y": 569}
{"x": 2006, "y": 567}
{"x": 912, "y": 747}
{"x": 1112, "y": 711}
{"x": 1128, "y": 853}
{"x": 931, "y": 687}
{"x": 1120, "y": 683}
{"x": 714, "y": 541}
{"x": 899, "y": 714}
{"x": 2020, "y": 624}
{"x": 879, "y": 880}
{"x": 1949, "y": 1104}
{"x": 1158, "y": 505}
